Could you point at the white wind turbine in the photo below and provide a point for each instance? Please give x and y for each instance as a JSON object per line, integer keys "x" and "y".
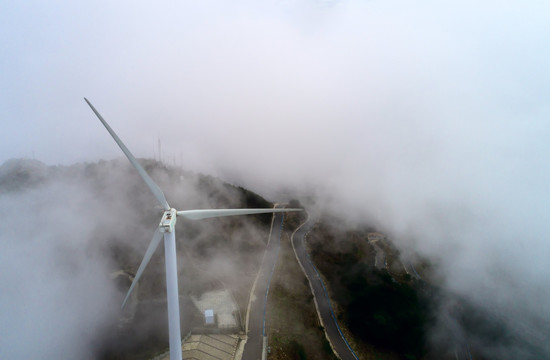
{"x": 167, "y": 228}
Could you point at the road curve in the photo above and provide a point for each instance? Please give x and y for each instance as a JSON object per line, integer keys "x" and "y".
{"x": 324, "y": 309}
{"x": 258, "y": 299}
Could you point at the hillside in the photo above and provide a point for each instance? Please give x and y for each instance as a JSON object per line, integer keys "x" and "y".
{"x": 107, "y": 204}
{"x": 72, "y": 262}
{"x": 391, "y": 307}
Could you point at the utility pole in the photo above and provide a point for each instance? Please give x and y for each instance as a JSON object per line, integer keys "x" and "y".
{"x": 160, "y": 153}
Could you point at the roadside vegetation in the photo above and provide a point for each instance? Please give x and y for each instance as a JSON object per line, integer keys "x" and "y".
{"x": 387, "y": 313}
{"x": 294, "y": 331}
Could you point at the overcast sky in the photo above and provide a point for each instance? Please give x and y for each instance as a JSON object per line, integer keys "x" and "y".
{"x": 428, "y": 118}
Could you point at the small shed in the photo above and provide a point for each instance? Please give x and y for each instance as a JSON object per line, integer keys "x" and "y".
{"x": 209, "y": 317}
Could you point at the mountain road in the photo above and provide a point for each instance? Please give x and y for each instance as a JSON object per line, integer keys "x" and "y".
{"x": 325, "y": 312}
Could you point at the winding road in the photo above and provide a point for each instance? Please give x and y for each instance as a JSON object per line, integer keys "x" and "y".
{"x": 322, "y": 302}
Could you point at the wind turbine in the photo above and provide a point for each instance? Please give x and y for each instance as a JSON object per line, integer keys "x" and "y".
{"x": 167, "y": 228}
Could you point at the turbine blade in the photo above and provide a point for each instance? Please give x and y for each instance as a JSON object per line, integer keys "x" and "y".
{"x": 209, "y": 213}
{"x": 150, "y": 251}
{"x": 157, "y": 192}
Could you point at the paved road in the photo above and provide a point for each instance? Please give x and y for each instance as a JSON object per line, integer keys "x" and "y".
{"x": 380, "y": 259}
{"x": 324, "y": 308}
{"x": 409, "y": 269}
{"x": 256, "y": 320}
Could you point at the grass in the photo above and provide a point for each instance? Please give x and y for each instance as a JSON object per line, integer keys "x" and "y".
{"x": 293, "y": 327}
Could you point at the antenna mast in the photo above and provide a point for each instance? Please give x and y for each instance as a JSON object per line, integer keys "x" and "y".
{"x": 160, "y": 153}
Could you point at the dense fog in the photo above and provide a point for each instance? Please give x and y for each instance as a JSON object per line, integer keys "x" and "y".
{"x": 427, "y": 120}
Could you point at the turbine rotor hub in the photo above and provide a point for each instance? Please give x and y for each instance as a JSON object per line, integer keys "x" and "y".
{"x": 168, "y": 221}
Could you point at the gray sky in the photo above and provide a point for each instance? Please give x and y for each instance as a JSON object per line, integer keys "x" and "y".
{"x": 428, "y": 119}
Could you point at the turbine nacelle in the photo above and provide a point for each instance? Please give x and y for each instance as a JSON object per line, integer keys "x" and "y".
{"x": 168, "y": 221}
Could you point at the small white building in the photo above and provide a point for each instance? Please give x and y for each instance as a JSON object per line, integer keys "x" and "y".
{"x": 223, "y": 309}
{"x": 209, "y": 317}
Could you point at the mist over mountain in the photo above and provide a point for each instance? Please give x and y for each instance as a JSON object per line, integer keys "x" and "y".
{"x": 87, "y": 220}
{"x": 64, "y": 232}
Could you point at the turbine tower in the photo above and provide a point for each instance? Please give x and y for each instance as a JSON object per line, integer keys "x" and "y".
{"x": 167, "y": 230}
